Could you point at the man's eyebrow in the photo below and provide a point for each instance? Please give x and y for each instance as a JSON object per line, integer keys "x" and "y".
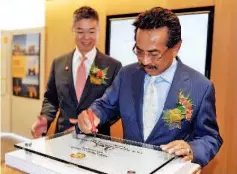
{"x": 93, "y": 28}
{"x": 138, "y": 48}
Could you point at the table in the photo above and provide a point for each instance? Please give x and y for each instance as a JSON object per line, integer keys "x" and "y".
{"x": 33, "y": 163}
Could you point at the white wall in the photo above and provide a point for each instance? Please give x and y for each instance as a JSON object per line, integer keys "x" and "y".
{"x": 194, "y": 40}
{"x": 22, "y": 14}
{"x": 20, "y": 17}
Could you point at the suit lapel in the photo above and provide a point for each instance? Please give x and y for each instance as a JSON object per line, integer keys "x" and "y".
{"x": 86, "y": 91}
{"x": 181, "y": 81}
{"x": 138, "y": 90}
{"x": 68, "y": 69}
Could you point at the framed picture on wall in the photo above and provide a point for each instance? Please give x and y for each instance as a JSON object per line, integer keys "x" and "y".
{"x": 197, "y": 34}
{"x": 26, "y": 65}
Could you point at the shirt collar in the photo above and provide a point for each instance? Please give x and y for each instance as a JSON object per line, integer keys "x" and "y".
{"x": 168, "y": 74}
{"x": 90, "y": 55}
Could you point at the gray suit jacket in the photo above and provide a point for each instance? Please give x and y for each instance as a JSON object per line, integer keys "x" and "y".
{"x": 61, "y": 94}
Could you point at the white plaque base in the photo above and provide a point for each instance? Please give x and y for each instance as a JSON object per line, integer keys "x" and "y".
{"x": 36, "y": 164}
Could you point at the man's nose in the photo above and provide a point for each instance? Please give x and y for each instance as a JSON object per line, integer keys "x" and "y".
{"x": 86, "y": 35}
{"x": 146, "y": 59}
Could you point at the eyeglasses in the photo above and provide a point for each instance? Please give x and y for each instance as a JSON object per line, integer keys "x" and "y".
{"x": 81, "y": 33}
{"x": 154, "y": 55}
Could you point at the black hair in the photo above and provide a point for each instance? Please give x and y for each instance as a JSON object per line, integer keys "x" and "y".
{"x": 159, "y": 17}
{"x": 85, "y": 12}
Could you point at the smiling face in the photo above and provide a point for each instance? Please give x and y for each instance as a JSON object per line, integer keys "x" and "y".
{"x": 86, "y": 33}
{"x": 152, "y": 51}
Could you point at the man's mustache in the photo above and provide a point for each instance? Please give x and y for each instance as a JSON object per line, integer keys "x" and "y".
{"x": 149, "y": 66}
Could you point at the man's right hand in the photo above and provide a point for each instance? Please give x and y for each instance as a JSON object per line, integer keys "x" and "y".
{"x": 84, "y": 122}
{"x": 39, "y": 127}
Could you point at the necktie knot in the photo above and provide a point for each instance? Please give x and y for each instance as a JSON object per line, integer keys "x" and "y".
{"x": 83, "y": 58}
{"x": 153, "y": 79}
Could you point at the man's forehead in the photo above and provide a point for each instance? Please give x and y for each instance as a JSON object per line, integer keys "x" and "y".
{"x": 163, "y": 31}
{"x": 84, "y": 22}
{"x": 159, "y": 35}
{"x": 81, "y": 27}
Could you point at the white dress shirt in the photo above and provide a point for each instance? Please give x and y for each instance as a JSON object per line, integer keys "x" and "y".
{"x": 76, "y": 60}
{"x": 163, "y": 83}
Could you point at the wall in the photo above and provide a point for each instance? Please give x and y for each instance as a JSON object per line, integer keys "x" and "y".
{"x": 21, "y": 19}
{"x": 224, "y": 65}
{"x": 24, "y": 111}
{"x": 59, "y": 18}
{"x": 19, "y": 113}
{"x": 224, "y": 76}
{"x": 5, "y": 82}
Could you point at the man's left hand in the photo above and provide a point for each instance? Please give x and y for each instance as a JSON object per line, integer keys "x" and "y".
{"x": 179, "y": 148}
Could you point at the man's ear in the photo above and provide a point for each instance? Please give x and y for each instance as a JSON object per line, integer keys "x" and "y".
{"x": 72, "y": 29}
{"x": 176, "y": 48}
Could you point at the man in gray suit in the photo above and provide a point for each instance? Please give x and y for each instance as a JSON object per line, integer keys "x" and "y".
{"x": 66, "y": 91}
